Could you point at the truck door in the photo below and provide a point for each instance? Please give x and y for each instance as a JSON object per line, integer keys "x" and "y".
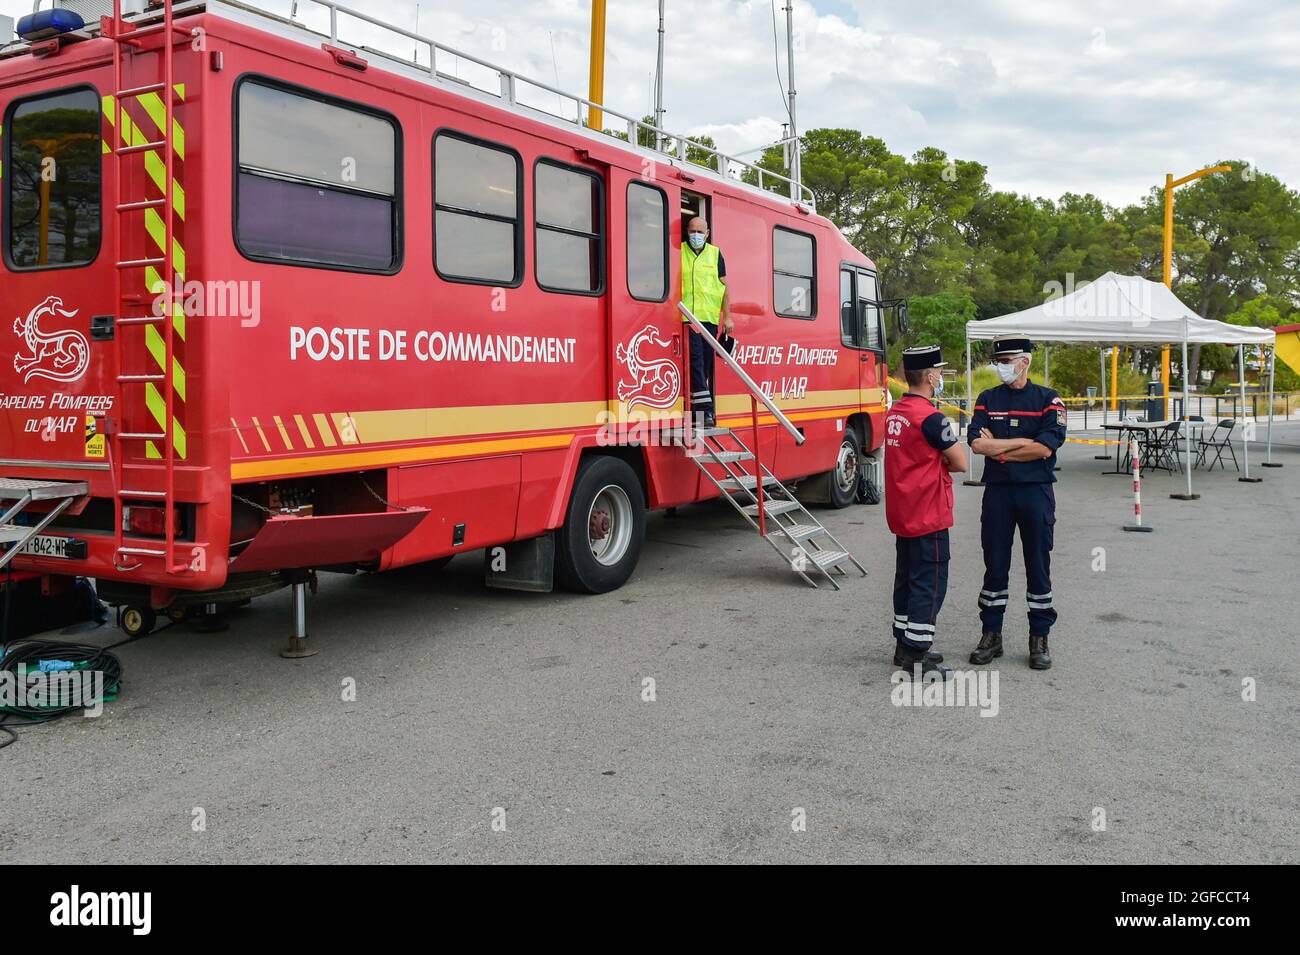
{"x": 860, "y": 331}
{"x": 646, "y": 333}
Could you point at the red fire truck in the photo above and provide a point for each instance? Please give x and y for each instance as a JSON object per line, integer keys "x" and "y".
{"x": 278, "y": 302}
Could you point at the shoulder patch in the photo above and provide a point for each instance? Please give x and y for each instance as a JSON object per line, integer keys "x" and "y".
{"x": 1058, "y": 406}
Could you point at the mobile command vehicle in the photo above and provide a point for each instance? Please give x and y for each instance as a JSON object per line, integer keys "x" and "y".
{"x": 279, "y": 297}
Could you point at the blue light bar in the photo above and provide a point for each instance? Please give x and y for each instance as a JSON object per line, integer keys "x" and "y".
{"x": 49, "y": 23}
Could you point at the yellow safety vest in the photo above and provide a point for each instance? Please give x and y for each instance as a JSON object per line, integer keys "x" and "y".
{"x": 702, "y": 290}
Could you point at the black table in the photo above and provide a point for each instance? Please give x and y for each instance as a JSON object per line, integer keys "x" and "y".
{"x": 1141, "y": 429}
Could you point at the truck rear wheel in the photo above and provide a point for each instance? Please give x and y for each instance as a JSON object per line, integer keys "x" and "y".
{"x": 600, "y": 542}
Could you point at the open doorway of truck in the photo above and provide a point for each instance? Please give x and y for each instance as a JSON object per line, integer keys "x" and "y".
{"x": 696, "y": 204}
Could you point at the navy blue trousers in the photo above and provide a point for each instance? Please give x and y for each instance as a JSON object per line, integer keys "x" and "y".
{"x": 1031, "y": 508}
{"x": 703, "y": 359}
{"x": 920, "y": 584}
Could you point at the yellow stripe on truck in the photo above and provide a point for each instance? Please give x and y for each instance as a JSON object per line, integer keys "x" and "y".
{"x": 354, "y": 460}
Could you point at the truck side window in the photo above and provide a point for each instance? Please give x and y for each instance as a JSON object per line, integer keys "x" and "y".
{"x": 53, "y": 165}
{"x": 848, "y": 310}
{"x": 869, "y": 313}
{"x": 318, "y": 182}
{"x": 794, "y": 274}
{"x": 478, "y": 208}
{"x": 647, "y": 243}
{"x": 569, "y": 212}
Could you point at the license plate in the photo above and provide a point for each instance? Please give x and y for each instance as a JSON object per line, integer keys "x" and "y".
{"x": 44, "y": 545}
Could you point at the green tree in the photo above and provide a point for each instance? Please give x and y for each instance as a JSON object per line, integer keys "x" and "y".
{"x": 941, "y": 237}
{"x": 1003, "y": 232}
{"x": 1249, "y": 225}
{"x": 1267, "y": 311}
{"x": 940, "y": 319}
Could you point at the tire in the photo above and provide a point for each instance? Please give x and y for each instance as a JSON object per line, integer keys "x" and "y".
{"x": 136, "y": 621}
{"x": 842, "y": 480}
{"x": 599, "y": 544}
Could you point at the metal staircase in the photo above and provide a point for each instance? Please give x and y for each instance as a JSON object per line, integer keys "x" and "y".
{"x": 130, "y": 305}
{"x": 806, "y": 544}
{"x": 811, "y": 550}
{"x": 26, "y": 492}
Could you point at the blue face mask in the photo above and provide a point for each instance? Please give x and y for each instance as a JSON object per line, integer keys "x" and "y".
{"x": 696, "y": 239}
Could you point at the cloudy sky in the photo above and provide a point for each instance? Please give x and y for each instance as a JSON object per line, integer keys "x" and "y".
{"x": 1101, "y": 96}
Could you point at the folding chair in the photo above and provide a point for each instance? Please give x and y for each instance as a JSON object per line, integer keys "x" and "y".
{"x": 1220, "y": 440}
{"x": 1169, "y": 445}
{"x": 1152, "y": 445}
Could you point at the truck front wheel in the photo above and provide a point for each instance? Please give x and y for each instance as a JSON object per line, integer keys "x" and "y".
{"x": 842, "y": 480}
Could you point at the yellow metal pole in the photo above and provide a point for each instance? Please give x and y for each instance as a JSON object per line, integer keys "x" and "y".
{"x": 596, "y": 117}
{"x": 1169, "y": 278}
{"x": 1169, "y": 229}
{"x": 52, "y": 149}
{"x": 1170, "y": 185}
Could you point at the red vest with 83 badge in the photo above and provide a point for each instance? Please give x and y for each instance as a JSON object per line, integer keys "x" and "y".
{"x": 918, "y": 487}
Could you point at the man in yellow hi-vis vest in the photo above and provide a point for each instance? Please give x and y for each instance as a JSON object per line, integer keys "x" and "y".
{"x": 704, "y": 292}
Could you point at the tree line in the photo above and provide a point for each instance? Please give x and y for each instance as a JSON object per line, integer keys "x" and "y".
{"x": 958, "y": 249}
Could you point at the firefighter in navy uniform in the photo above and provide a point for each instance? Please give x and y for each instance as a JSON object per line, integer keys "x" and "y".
{"x": 922, "y": 450}
{"x": 1018, "y": 427}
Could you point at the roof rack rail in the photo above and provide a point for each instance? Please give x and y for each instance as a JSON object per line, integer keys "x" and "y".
{"x": 510, "y": 84}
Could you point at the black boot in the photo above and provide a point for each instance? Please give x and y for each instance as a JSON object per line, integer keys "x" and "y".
{"x": 990, "y": 647}
{"x": 906, "y": 659}
{"x": 932, "y": 656}
{"x": 1039, "y": 658}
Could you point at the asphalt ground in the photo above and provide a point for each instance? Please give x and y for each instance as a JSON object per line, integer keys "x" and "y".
{"x": 492, "y": 726}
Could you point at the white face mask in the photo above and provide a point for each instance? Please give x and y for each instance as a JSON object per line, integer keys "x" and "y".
{"x": 937, "y": 382}
{"x": 1008, "y": 372}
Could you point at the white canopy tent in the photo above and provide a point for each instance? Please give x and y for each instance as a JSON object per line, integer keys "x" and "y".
{"x": 1127, "y": 309}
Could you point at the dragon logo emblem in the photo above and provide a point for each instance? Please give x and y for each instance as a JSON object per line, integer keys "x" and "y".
{"x": 654, "y": 382}
{"x": 56, "y": 355}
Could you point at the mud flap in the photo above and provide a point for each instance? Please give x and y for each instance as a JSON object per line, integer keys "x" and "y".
{"x": 524, "y": 565}
{"x": 871, "y": 479}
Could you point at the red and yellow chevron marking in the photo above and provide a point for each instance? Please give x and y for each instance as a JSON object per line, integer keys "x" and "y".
{"x": 151, "y": 104}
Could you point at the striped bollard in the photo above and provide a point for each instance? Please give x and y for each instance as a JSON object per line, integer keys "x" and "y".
{"x": 1137, "y": 524}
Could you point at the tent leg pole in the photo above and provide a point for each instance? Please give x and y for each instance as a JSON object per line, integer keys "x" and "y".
{"x": 1104, "y": 456}
{"x": 970, "y": 402}
{"x": 1245, "y": 432}
{"x": 1268, "y": 453}
{"x": 1187, "y": 435}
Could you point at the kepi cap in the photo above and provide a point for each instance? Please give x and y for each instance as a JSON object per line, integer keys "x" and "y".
{"x": 1012, "y": 346}
{"x": 922, "y": 357}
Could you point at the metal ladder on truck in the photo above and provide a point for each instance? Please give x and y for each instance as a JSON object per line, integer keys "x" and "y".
{"x": 766, "y": 504}
{"x": 25, "y": 492}
{"x": 130, "y": 308}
